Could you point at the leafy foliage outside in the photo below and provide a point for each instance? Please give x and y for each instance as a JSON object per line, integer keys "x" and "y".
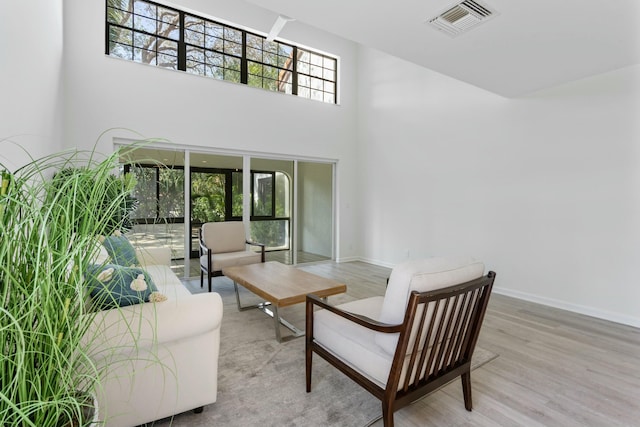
{"x": 170, "y": 184}
{"x": 207, "y": 197}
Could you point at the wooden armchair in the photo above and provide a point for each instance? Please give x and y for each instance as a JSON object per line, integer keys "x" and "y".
{"x": 224, "y": 244}
{"x": 410, "y": 342}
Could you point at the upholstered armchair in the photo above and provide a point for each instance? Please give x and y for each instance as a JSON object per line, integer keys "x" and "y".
{"x": 410, "y": 342}
{"x": 224, "y": 244}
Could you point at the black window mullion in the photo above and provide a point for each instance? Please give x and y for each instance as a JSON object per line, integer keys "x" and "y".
{"x": 107, "y": 28}
{"x": 228, "y": 195}
{"x": 294, "y": 72}
{"x": 244, "y": 65}
{"x": 251, "y": 189}
{"x": 273, "y": 194}
{"x": 182, "y": 46}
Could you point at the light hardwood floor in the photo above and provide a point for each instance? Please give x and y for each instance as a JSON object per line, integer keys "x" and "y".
{"x": 555, "y": 368}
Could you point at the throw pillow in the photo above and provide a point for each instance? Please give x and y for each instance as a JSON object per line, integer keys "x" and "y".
{"x": 113, "y": 285}
{"x": 120, "y": 250}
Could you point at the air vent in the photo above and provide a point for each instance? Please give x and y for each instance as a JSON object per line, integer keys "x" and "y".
{"x": 462, "y": 17}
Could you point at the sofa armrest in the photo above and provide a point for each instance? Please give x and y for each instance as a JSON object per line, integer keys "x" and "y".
{"x": 121, "y": 330}
{"x": 154, "y": 256}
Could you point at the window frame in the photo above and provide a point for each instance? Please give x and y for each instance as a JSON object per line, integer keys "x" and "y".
{"x": 293, "y": 75}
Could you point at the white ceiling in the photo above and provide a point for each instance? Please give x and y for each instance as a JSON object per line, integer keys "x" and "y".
{"x": 530, "y": 45}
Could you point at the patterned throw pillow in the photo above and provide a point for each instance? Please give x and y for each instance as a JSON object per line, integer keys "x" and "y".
{"x": 113, "y": 285}
{"x": 120, "y": 250}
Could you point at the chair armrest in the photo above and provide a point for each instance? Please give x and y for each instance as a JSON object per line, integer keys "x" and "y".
{"x": 261, "y": 245}
{"x": 364, "y": 321}
{"x": 203, "y": 247}
{"x": 154, "y": 256}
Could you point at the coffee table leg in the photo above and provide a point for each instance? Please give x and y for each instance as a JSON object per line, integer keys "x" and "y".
{"x": 260, "y": 306}
{"x": 276, "y": 321}
{"x": 270, "y": 310}
{"x": 235, "y": 286}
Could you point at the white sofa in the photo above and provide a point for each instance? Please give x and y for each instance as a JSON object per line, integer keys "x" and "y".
{"x": 157, "y": 359}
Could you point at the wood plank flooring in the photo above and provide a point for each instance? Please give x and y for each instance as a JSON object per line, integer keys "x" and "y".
{"x": 555, "y": 368}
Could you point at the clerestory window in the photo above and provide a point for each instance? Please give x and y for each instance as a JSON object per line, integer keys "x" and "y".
{"x": 154, "y": 34}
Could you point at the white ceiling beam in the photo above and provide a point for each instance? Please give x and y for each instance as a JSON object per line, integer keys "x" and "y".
{"x": 281, "y": 20}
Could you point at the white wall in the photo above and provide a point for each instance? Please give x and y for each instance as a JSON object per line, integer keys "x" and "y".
{"x": 544, "y": 189}
{"x": 105, "y": 93}
{"x": 30, "y": 80}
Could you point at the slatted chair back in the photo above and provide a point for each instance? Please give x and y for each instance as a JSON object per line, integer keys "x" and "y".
{"x": 439, "y": 335}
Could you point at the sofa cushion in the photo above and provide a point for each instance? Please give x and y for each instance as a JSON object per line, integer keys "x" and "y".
{"x": 167, "y": 282}
{"x": 120, "y": 250}
{"x": 422, "y": 276}
{"x": 113, "y": 285}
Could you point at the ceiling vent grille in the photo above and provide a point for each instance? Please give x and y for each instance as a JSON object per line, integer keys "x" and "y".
{"x": 462, "y": 17}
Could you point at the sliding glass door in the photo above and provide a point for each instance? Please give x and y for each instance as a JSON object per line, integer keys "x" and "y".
{"x": 289, "y": 203}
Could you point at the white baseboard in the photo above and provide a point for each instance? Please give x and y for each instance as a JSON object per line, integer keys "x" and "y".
{"x": 376, "y": 262}
{"x": 575, "y": 308}
{"x": 348, "y": 259}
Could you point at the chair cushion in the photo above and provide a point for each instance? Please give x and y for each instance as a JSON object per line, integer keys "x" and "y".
{"x": 224, "y": 236}
{"x": 231, "y": 259}
{"x": 353, "y": 343}
{"x": 422, "y": 276}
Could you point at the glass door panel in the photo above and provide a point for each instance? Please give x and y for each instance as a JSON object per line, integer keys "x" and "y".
{"x": 315, "y": 212}
{"x": 271, "y": 199}
{"x": 262, "y": 194}
{"x": 207, "y": 202}
{"x": 216, "y": 192}
{"x": 158, "y": 215}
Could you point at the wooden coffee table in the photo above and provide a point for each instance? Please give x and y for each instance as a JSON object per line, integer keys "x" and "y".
{"x": 280, "y": 285}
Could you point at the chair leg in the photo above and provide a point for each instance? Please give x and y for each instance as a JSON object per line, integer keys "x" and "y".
{"x": 201, "y": 279}
{"x": 209, "y": 282}
{"x": 387, "y": 414}
{"x": 466, "y": 390}
{"x": 309, "y": 361}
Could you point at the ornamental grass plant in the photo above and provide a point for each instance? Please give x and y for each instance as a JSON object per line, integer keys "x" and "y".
{"x": 49, "y": 222}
